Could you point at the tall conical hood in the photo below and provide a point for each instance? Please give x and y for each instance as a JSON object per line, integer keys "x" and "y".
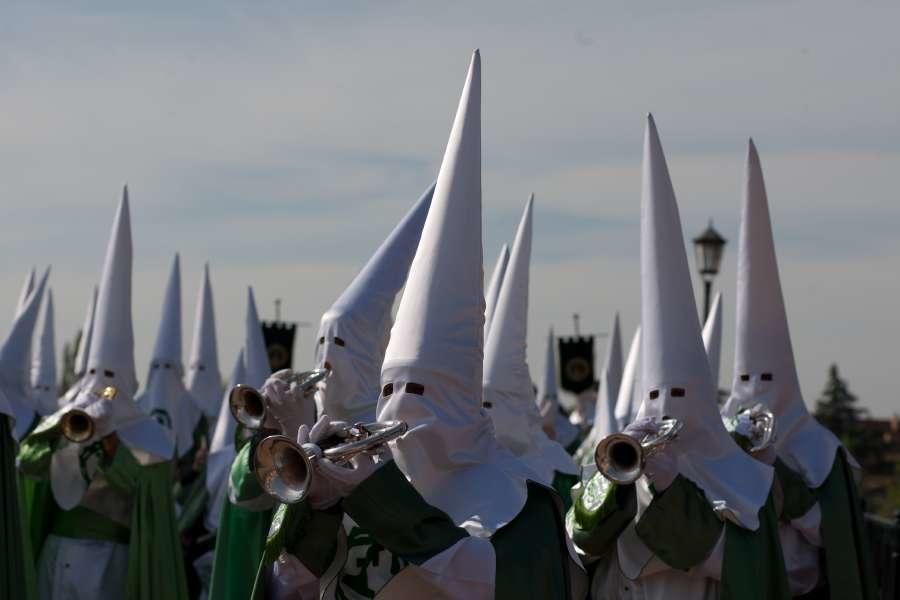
{"x": 431, "y": 375}
{"x": 353, "y": 333}
{"x": 204, "y": 381}
{"x": 764, "y": 369}
{"x": 676, "y": 377}
{"x": 43, "y": 366}
{"x": 256, "y": 358}
{"x": 712, "y": 338}
{"x": 112, "y": 343}
{"x": 548, "y": 395}
{"x": 87, "y": 333}
{"x": 27, "y": 288}
{"x": 15, "y": 359}
{"x": 505, "y": 348}
{"x": 166, "y": 397}
{"x": 508, "y": 390}
{"x": 168, "y": 336}
{"x": 605, "y": 422}
{"x": 629, "y": 397}
{"x": 221, "y": 449}
{"x": 493, "y": 289}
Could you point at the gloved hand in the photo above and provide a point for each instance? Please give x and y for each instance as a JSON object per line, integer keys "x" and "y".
{"x": 660, "y": 468}
{"x": 287, "y": 407}
{"x": 332, "y": 481}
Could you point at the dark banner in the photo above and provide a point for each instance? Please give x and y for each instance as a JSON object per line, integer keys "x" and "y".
{"x": 576, "y": 363}
{"x": 279, "y": 338}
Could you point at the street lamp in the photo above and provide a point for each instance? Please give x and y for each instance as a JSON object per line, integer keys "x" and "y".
{"x": 708, "y": 247}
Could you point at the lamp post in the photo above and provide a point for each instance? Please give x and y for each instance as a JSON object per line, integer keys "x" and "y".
{"x": 708, "y": 248}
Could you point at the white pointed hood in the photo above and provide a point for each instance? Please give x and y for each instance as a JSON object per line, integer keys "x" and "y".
{"x": 763, "y": 342}
{"x": 165, "y": 397}
{"x": 675, "y": 376}
{"x": 87, "y": 332}
{"x": 204, "y": 381}
{"x": 508, "y": 389}
{"x": 353, "y": 333}
{"x": 256, "y": 358}
{"x": 432, "y": 369}
{"x": 628, "y": 400}
{"x": 605, "y": 422}
{"x": 15, "y": 360}
{"x": 43, "y": 366}
{"x": 493, "y": 289}
{"x": 27, "y": 288}
{"x": 107, "y": 389}
{"x": 712, "y": 338}
{"x": 221, "y": 448}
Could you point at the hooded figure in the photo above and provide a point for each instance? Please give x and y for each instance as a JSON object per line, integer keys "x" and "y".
{"x": 15, "y": 362}
{"x": 111, "y": 518}
{"x": 165, "y": 397}
{"x": 353, "y": 333}
{"x": 241, "y": 531}
{"x": 700, "y": 522}
{"x": 493, "y": 289}
{"x": 508, "y": 390}
{"x": 605, "y": 422}
{"x": 204, "y": 382}
{"x": 810, "y": 462}
{"x": 434, "y": 516}
{"x": 43, "y": 367}
{"x": 712, "y": 338}
{"x": 555, "y": 422}
{"x": 16, "y": 417}
{"x": 628, "y": 399}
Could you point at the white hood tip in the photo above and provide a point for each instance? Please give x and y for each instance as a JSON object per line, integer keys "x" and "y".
{"x": 493, "y": 289}
{"x": 712, "y": 337}
{"x": 87, "y": 333}
{"x": 256, "y": 358}
{"x": 676, "y": 377}
{"x": 204, "y": 379}
{"x": 764, "y": 368}
{"x": 629, "y": 398}
{"x": 43, "y": 366}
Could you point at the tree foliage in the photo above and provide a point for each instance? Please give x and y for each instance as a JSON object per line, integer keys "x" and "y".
{"x": 838, "y": 410}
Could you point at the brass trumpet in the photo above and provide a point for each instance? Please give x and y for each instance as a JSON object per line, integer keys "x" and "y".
{"x": 284, "y": 468}
{"x": 77, "y": 426}
{"x": 621, "y": 457}
{"x": 248, "y": 405}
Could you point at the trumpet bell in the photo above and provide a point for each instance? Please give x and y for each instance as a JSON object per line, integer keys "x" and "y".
{"x": 248, "y": 406}
{"x": 283, "y": 468}
{"x": 620, "y": 458}
{"x": 77, "y": 426}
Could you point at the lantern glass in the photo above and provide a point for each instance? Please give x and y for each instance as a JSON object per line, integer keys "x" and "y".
{"x": 708, "y": 248}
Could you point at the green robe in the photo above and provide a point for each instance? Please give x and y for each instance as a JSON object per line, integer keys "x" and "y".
{"x": 681, "y": 528}
{"x": 155, "y": 566}
{"x": 16, "y": 565}
{"x": 402, "y": 529}
{"x": 241, "y": 536}
{"x": 848, "y": 566}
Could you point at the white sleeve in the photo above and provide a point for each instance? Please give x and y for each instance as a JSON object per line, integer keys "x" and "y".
{"x": 464, "y": 570}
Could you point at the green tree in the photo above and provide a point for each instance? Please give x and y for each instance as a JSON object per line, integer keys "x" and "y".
{"x": 838, "y": 410}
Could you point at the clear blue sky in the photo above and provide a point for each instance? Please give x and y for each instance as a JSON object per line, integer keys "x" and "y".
{"x": 282, "y": 142}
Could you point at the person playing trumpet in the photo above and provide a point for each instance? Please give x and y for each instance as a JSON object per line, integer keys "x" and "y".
{"x": 815, "y": 472}
{"x": 108, "y": 529}
{"x": 699, "y": 521}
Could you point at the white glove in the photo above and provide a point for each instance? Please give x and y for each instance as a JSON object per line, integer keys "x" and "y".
{"x": 332, "y": 481}
{"x": 287, "y": 406}
{"x": 660, "y": 468}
